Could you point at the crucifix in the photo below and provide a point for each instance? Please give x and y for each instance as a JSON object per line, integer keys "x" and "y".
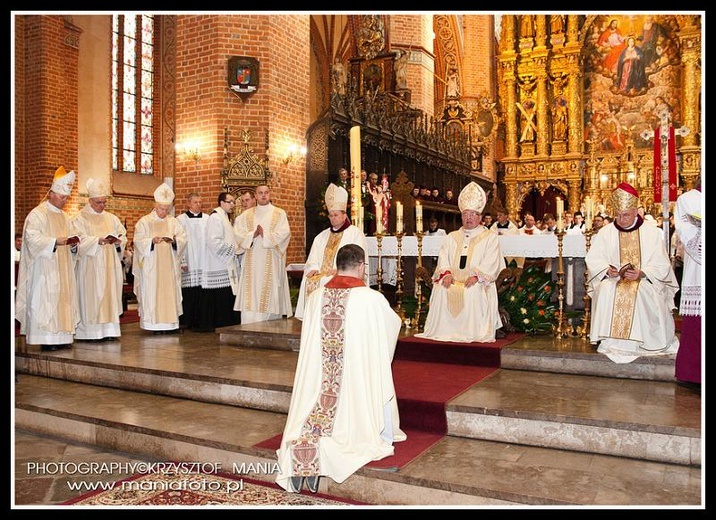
{"x": 665, "y": 163}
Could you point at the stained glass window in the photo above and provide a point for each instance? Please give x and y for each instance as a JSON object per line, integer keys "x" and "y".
{"x": 133, "y": 93}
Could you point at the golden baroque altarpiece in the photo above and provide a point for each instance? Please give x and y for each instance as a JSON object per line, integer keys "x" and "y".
{"x": 577, "y": 93}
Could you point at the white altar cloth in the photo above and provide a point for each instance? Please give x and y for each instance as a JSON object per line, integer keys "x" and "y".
{"x": 539, "y": 246}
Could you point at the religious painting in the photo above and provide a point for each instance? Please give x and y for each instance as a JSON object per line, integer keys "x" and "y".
{"x": 453, "y": 130}
{"x": 372, "y": 77}
{"x": 632, "y": 70}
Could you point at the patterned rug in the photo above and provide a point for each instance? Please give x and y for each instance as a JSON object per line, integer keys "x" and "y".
{"x": 191, "y": 489}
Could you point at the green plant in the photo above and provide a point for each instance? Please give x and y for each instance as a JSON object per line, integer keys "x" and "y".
{"x": 528, "y": 301}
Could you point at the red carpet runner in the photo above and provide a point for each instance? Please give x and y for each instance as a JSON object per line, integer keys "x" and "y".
{"x": 427, "y": 374}
{"x": 129, "y": 316}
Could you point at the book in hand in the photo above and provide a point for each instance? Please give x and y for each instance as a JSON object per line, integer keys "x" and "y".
{"x": 111, "y": 239}
{"x": 623, "y": 269}
{"x": 74, "y": 239}
{"x": 168, "y": 239}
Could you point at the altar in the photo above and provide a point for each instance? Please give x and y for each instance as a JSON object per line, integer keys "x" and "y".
{"x": 534, "y": 246}
{"x": 529, "y": 246}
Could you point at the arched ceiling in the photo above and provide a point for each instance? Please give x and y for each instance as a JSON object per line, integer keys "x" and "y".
{"x": 332, "y": 36}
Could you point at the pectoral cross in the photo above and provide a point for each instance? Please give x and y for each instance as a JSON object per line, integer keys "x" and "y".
{"x": 664, "y": 120}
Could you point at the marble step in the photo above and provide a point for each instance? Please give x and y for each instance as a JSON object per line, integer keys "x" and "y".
{"x": 574, "y": 355}
{"x": 630, "y": 418}
{"x": 269, "y": 335}
{"x": 543, "y": 353}
{"x": 456, "y": 472}
{"x": 646, "y": 420}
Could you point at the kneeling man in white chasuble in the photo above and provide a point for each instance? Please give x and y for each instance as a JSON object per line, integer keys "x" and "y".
{"x": 344, "y": 411}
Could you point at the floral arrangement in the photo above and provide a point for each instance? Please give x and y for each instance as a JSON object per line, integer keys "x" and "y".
{"x": 528, "y": 301}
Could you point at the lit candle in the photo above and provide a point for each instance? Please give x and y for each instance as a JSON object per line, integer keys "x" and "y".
{"x": 560, "y": 214}
{"x": 590, "y": 208}
{"x": 399, "y": 210}
{"x": 379, "y": 219}
{"x": 355, "y": 194}
{"x": 418, "y": 217}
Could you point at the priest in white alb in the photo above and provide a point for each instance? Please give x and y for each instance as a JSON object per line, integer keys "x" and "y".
{"x": 46, "y": 304}
{"x": 343, "y": 412}
{"x": 463, "y": 302}
{"x": 320, "y": 265}
{"x": 159, "y": 243}
{"x": 99, "y": 265}
{"x": 632, "y": 285}
{"x": 263, "y": 233}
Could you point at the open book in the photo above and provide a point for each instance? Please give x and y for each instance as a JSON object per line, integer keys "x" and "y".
{"x": 111, "y": 238}
{"x": 74, "y": 239}
{"x": 624, "y": 268}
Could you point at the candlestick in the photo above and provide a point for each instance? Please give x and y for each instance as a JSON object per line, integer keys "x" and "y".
{"x": 561, "y": 328}
{"x": 378, "y": 218}
{"x": 560, "y": 214}
{"x": 399, "y": 225}
{"x": 418, "y": 217}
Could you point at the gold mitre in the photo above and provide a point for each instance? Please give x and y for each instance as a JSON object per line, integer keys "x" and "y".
{"x": 472, "y": 197}
{"x": 336, "y": 198}
{"x": 63, "y": 181}
{"x": 625, "y": 197}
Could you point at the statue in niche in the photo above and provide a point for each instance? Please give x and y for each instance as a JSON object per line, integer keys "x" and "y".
{"x": 452, "y": 83}
{"x": 556, "y": 23}
{"x": 529, "y": 127}
{"x": 338, "y": 73}
{"x": 559, "y": 119}
{"x": 401, "y": 71}
{"x": 527, "y": 28}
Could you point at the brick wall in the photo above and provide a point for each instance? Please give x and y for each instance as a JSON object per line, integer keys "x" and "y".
{"x": 205, "y": 106}
{"x": 415, "y": 33}
{"x": 46, "y": 108}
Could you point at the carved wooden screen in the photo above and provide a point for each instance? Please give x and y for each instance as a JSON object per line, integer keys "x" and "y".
{"x": 245, "y": 170}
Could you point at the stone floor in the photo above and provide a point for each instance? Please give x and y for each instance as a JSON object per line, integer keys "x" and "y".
{"x": 204, "y": 397}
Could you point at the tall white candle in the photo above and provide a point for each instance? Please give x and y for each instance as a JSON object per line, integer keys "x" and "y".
{"x": 560, "y": 214}
{"x": 418, "y": 217}
{"x": 360, "y": 218}
{"x": 355, "y": 193}
{"x": 590, "y": 208}
{"x": 378, "y": 218}
{"x": 399, "y": 210}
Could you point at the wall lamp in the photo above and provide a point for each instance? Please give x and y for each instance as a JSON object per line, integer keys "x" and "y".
{"x": 293, "y": 152}
{"x": 190, "y": 151}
